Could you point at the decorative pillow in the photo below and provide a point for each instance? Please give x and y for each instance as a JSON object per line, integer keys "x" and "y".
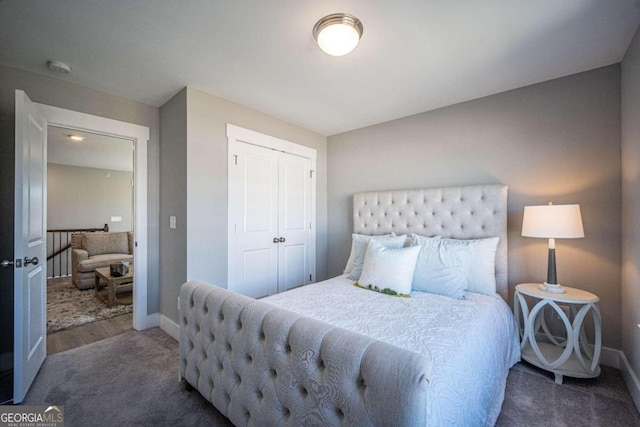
{"x": 360, "y": 243}
{"x": 481, "y": 275}
{"x": 105, "y": 243}
{"x": 442, "y": 268}
{"x": 349, "y": 267}
{"x": 389, "y": 271}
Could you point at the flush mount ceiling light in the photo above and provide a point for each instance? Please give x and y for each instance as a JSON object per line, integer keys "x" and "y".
{"x": 338, "y": 34}
{"x": 76, "y": 138}
{"x": 58, "y": 67}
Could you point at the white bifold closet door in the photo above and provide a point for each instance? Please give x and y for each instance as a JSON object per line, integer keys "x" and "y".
{"x": 270, "y": 211}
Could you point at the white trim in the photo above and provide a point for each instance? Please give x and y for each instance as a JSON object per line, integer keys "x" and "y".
{"x": 140, "y": 136}
{"x": 152, "y": 321}
{"x": 631, "y": 379}
{"x": 616, "y": 359}
{"x": 312, "y": 247}
{"x": 610, "y": 357}
{"x": 170, "y": 327}
{"x": 256, "y": 138}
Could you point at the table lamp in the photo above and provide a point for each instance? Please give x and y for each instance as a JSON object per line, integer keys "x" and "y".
{"x": 552, "y": 222}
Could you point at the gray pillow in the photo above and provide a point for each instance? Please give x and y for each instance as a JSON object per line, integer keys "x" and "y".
{"x": 105, "y": 243}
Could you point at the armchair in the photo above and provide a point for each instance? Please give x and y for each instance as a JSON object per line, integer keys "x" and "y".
{"x": 95, "y": 250}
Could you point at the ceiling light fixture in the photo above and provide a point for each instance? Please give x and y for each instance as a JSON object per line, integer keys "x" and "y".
{"x": 76, "y": 138}
{"x": 58, "y": 67}
{"x": 338, "y": 34}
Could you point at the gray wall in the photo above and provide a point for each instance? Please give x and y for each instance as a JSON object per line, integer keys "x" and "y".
{"x": 631, "y": 206}
{"x": 206, "y": 186}
{"x": 62, "y": 94}
{"x": 173, "y": 187}
{"x": 557, "y": 141}
{"x": 79, "y": 197}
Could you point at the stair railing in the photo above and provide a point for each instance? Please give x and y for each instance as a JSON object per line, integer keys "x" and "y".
{"x": 59, "y": 249}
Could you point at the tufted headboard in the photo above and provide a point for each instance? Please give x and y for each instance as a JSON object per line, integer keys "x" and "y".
{"x": 462, "y": 212}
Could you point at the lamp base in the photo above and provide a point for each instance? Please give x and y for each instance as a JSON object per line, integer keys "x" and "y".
{"x": 552, "y": 288}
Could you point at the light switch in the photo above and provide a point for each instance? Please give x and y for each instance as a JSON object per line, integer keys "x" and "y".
{"x": 172, "y": 221}
{"x": 116, "y": 219}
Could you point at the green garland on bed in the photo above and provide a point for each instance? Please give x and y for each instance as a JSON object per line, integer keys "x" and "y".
{"x": 385, "y": 291}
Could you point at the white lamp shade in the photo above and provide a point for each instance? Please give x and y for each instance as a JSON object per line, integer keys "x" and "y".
{"x": 552, "y": 222}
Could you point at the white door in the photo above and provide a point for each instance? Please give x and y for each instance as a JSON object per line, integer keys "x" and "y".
{"x": 30, "y": 246}
{"x": 294, "y": 221}
{"x": 270, "y": 219}
{"x": 253, "y": 201}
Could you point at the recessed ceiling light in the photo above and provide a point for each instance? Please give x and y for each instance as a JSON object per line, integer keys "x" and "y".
{"x": 58, "y": 67}
{"x": 76, "y": 138}
{"x": 338, "y": 34}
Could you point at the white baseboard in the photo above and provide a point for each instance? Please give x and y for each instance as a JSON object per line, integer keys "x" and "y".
{"x": 170, "y": 327}
{"x": 616, "y": 359}
{"x": 610, "y": 357}
{"x": 166, "y": 324}
{"x": 151, "y": 321}
{"x": 631, "y": 379}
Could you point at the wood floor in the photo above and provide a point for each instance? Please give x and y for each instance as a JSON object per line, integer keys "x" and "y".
{"x": 87, "y": 334}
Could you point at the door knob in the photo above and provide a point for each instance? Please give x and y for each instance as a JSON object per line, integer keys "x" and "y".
{"x": 281, "y": 240}
{"x": 33, "y": 260}
{"x": 5, "y": 263}
{"x": 276, "y": 240}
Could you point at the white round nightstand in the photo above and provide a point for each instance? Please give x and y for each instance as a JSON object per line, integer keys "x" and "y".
{"x": 571, "y": 356}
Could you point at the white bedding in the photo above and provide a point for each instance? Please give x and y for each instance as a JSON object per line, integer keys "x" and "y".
{"x": 472, "y": 342}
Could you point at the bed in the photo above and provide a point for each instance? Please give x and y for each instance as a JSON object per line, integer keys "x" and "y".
{"x": 334, "y": 354}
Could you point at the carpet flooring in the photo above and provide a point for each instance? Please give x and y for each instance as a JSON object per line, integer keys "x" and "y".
{"x": 68, "y": 307}
{"x": 132, "y": 379}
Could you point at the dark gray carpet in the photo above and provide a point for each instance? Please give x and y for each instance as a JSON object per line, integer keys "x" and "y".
{"x": 132, "y": 379}
{"x": 533, "y": 399}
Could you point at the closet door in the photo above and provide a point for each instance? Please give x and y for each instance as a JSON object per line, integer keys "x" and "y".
{"x": 294, "y": 221}
{"x": 253, "y": 205}
{"x": 271, "y": 209}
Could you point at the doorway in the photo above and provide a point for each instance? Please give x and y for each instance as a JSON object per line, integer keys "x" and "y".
{"x": 31, "y": 121}
{"x": 81, "y": 122}
{"x": 90, "y": 180}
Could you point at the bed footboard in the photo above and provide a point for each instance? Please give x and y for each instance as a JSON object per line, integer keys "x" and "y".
{"x": 263, "y": 365}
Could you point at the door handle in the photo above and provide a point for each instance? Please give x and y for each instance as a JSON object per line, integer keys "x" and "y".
{"x": 281, "y": 240}
{"x": 33, "y": 260}
{"x": 275, "y": 240}
{"x": 5, "y": 263}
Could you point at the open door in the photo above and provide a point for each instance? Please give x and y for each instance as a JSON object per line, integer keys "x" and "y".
{"x": 30, "y": 332}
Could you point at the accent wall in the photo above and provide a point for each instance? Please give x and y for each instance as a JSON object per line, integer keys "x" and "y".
{"x": 557, "y": 141}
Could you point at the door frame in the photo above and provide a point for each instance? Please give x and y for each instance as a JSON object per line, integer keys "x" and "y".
{"x": 140, "y": 136}
{"x": 237, "y": 134}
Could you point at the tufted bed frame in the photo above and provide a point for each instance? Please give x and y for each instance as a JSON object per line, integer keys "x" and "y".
{"x": 263, "y": 365}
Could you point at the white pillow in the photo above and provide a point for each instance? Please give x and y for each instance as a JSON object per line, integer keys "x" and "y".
{"x": 441, "y": 268}
{"x": 360, "y": 243}
{"x": 387, "y": 269}
{"x": 481, "y": 276}
{"x": 349, "y": 267}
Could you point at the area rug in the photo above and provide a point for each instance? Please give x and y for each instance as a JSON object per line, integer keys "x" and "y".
{"x": 68, "y": 307}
